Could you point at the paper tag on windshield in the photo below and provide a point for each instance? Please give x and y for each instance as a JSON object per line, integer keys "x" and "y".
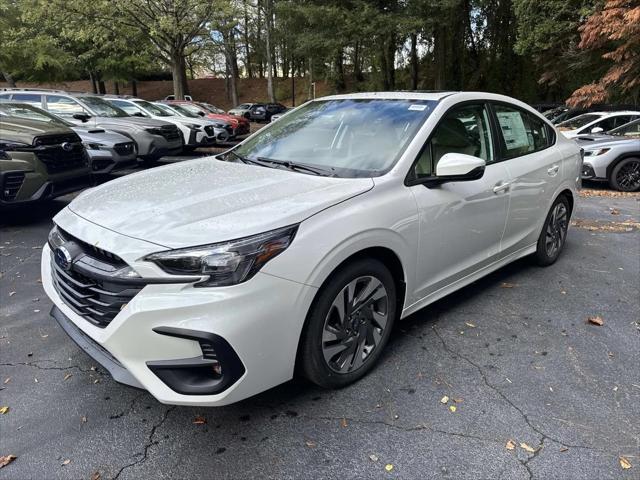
{"x": 417, "y": 107}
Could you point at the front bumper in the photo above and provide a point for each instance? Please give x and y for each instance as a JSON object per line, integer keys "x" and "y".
{"x": 44, "y": 188}
{"x": 260, "y": 327}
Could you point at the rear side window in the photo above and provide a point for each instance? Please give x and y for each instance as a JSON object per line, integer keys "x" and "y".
{"x": 29, "y": 98}
{"x": 128, "y": 107}
{"x": 522, "y": 133}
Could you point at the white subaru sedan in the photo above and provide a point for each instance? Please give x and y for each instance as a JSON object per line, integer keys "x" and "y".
{"x": 208, "y": 281}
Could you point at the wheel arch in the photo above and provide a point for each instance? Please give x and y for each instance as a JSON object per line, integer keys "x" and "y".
{"x": 620, "y": 158}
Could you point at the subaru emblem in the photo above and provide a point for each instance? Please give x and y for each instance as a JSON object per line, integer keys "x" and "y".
{"x": 62, "y": 258}
{"x": 67, "y": 147}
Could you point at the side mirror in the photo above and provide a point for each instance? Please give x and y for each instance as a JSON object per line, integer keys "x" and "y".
{"x": 139, "y": 114}
{"x": 597, "y": 130}
{"x": 460, "y": 167}
{"x": 83, "y": 117}
{"x": 202, "y": 114}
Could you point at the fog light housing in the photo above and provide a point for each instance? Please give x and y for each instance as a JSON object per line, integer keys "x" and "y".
{"x": 217, "y": 369}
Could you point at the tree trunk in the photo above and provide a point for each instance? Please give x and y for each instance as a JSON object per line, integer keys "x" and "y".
{"x": 178, "y": 75}
{"x": 134, "y": 87}
{"x": 94, "y": 85}
{"x": 11, "y": 83}
{"x": 101, "y": 87}
{"x": 339, "y": 83}
{"x": 247, "y": 50}
{"x": 268, "y": 22}
{"x": 414, "y": 61}
{"x": 440, "y": 57}
{"x": 116, "y": 87}
{"x": 357, "y": 62}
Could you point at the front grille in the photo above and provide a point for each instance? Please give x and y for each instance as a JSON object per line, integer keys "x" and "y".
{"x": 209, "y": 130}
{"x": 170, "y": 132}
{"x": 12, "y": 183}
{"x": 124, "y": 148}
{"x": 56, "y": 139}
{"x": 83, "y": 287}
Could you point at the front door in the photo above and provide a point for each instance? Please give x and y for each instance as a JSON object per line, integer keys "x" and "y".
{"x": 461, "y": 223}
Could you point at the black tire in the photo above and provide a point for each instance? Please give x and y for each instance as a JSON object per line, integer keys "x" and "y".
{"x": 554, "y": 232}
{"x": 625, "y": 176}
{"x": 363, "y": 317}
{"x": 149, "y": 160}
{"x": 247, "y": 116}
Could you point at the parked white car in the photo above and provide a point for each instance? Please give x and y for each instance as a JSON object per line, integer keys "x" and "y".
{"x": 211, "y": 280}
{"x": 195, "y": 132}
{"x": 220, "y": 128}
{"x": 595, "y": 122}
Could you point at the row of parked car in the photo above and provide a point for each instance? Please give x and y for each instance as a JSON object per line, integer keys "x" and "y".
{"x": 610, "y": 139}
{"x": 53, "y": 142}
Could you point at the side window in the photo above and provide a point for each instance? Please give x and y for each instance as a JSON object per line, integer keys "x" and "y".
{"x": 464, "y": 130}
{"x": 64, "y": 106}
{"x": 521, "y": 132}
{"x": 30, "y": 98}
{"x": 128, "y": 107}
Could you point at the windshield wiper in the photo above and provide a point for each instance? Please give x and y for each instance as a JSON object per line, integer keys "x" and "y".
{"x": 245, "y": 159}
{"x": 299, "y": 167}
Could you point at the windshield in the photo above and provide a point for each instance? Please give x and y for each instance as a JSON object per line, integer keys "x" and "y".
{"x": 151, "y": 108}
{"x": 29, "y": 112}
{"x": 166, "y": 109}
{"x": 103, "y": 108}
{"x": 353, "y": 138}
{"x": 212, "y": 108}
{"x": 579, "y": 121}
{"x": 189, "y": 108}
{"x": 185, "y": 111}
{"x": 631, "y": 129}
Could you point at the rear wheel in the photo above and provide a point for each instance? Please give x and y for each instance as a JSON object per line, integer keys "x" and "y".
{"x": 349, "y": 324}
{"x": 554, "y": 232}
{"x": 625, "y": 176}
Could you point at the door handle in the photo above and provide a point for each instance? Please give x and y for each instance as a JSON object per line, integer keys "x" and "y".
{"x": 502, "y": 186}
{"x": 553, "y": 171}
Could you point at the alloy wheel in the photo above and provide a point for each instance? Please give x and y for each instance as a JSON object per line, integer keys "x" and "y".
{"x": 628, "y": 177}
{"x": 556, "y": 230}
{"x": 355, "y": 324}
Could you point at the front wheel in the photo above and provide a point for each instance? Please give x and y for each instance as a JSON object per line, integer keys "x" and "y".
{"x": 625, "y": 176}
{"x": 349, "y": 324}
{"x": 554, "y": 232}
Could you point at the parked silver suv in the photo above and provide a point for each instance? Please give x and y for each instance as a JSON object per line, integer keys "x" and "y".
{"x": 154, "y": 138}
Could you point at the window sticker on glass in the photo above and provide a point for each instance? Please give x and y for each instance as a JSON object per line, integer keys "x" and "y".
{"x": 513, "y": 130}
{"x": 417, "y": 107}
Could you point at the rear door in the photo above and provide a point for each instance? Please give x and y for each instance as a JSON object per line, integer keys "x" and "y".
{"x": 535, "y": 172}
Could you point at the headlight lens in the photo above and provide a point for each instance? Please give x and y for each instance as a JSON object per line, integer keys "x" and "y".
{"x": 226, "y": 263}
{"x": 154, "y": 131}
{"x": 595, "y": 153}
{"x": 94, "y": 146}
{"x": 193, "y": 126}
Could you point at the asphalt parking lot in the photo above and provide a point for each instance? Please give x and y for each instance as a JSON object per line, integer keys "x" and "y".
{"x": 533, "y": 389}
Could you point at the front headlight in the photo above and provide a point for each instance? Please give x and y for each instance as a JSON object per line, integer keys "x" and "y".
{"x": 595, "y": 153}
{"x": 154, "y": 131}
{"x": 93, "y": 146}
{"x": 226, "y": 263}
{"x": 193, "y": 126}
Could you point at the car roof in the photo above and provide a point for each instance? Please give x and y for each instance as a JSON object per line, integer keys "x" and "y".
{"x": 403, "y": 95}
{"x": 617, "y": 112}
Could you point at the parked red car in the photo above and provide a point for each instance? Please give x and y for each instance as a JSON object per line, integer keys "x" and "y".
{"x": 240, "y": 125}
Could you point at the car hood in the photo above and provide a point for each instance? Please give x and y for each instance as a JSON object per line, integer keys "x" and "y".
{"x": 140, "y": 122}
{"x": 207, "y": 201}
{"x": 94, "y": 135}
{"x": 608, "y": 141}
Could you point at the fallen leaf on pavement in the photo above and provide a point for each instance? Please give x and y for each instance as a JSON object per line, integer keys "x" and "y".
{"x": 373, "y": 457}
{"x": 510, "y": 445}
{"x": 508, "y": 285}
{"x": 527, "y": 448}
{"x": 66, "y": 462}
{"x": 453, "y": 408}
{"x": 95, "y": 476}
{"x": 468, "y": 324}
{"x": 615, "y": 211}
{"x": 11, "y": 294}
{"x": 625, "y": 463}
{"x": 83, "y": 419}
{"x": 68, "y": 376}
{"x": 343, "y": 423}
{"x": 388, "y": 467}
{"x": 457, "y": 400}
{"x": 6, "y": 460}
{"x": 597, "y": 320}
{"x": 7, "y": 380}
{"x": 444, "y": 399}
{"x": 310, "y": 443}
{"x": 199, "y": 421}
{"x": 4, "y": 410}
{"x": 563, "y": 449}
